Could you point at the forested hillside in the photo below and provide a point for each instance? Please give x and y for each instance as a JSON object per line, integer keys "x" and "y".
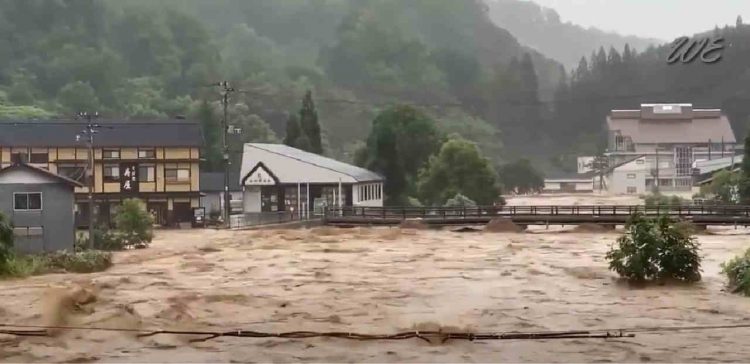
{"x": 152, "y": 59}
{"x": 542, "y": 29}
{"x": 624, "y": 79}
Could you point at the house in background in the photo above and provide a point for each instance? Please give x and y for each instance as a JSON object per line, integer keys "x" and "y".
{"x": 670, "y": 138}
{"x": 570, "y": 183}
{"x": 277, "y": 177}
{"x": 155, "y": 161}
{"x": 212, "y": 192}
{"x": 40, "y": 205}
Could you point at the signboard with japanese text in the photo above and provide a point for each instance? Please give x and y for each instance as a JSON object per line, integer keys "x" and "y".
{"x": 128, "y": 177}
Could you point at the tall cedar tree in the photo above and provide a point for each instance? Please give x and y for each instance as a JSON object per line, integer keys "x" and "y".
{"x": 212, "y": 135}
{"x": 293, "y": 131}
{"x": 308, "y": 119}
{"x": 745, "y": 181}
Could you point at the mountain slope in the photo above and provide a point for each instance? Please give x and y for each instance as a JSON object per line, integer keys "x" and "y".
{"x": 541, "y": 28}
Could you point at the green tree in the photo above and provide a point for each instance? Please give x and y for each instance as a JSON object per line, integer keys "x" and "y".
{"x": 78, "y": 96}
{"x": 211, "y": 127}
{"x": 6, "y": 244}
{"x": 134, "y": 223}
{"x": 401, "y": 141}
{"x": 724, "y": 187}
{"x": 293, "y": 131}
{"x": 458, "y": 168}
{"x": 308, "y": 119}
{"x": 521, "y": 177}
{"x": 744, "y": 188}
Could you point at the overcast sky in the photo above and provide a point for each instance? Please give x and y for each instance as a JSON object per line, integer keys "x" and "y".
{"x": 660, "y": 19}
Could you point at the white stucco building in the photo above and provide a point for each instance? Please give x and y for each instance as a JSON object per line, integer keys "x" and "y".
{"x": 658, "y": 145}
{"x": 277, "y": 177}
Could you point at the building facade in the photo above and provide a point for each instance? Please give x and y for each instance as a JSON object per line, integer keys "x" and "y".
{"x": 276, "y": 177}
{"x": 155, "y": 161}
{"x": 40, "y": 206}
{"x": 670, "y": 138}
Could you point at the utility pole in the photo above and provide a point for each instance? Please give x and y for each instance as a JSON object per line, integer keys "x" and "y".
{"x": 656, "y": 181}
{"x": 225, "y": 91}
{"x": 89, "y": 132}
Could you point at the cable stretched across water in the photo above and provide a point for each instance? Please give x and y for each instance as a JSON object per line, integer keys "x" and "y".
{"x": 429, "y": 336}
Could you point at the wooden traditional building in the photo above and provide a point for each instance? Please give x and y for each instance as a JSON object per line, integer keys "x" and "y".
{"x": 156, "y": 161}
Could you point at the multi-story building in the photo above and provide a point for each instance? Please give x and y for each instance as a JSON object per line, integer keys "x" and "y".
{"x": 659, "y": 144}
{"x": 155, "y": 161}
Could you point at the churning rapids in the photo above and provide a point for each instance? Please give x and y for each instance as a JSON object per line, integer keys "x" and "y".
{"x": 374, "y": 281}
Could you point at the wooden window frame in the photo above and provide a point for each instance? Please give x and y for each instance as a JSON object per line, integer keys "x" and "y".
{"x": 152, "y": 150}
{"x": 110, "y": 179}
{"x": 153, "y": 175}
{"x": 27, "y": 209}
{"x": 105, "y": 151}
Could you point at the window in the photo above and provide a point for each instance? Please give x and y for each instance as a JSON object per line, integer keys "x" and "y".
{"x": 76, "y": 172}
{"x": 111, "y": 154}
{"x": 631, "y": 175}
{"x": 174, "y": 174}
{"x": 146, "y": 153}
{"x": 27, "y": 201}
{"x": 632, "y": 190}
{"x": 39, "y": 156}
{"x": 640, "y": 161}
{"x": 111, "y": 173}
{"x": 146, "y": 173}
{"x": 19, "y": 156}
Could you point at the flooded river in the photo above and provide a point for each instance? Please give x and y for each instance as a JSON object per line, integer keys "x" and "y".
{"x": 374, "y": 281}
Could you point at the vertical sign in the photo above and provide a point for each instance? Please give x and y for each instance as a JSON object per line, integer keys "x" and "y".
{"x": 128, "y": 178}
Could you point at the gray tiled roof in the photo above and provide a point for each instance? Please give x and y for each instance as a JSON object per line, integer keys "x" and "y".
{"x": 61, "y": 133}
{"x": 688, "y": 126}
{"x": 41, "y": 171}
{"x": 359, "y": 174}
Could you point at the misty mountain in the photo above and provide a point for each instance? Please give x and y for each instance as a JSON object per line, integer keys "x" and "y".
{"x": 542, "y": 29}
{"x": 155, "y": 59}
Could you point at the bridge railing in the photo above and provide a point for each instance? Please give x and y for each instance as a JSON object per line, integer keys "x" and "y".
{"x": 501, "y": 211}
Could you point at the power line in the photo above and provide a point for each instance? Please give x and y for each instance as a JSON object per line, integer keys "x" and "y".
{"x": 430, "y": 335}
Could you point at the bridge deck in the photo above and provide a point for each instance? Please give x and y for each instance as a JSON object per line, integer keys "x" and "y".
{"x": 536, "y": 215}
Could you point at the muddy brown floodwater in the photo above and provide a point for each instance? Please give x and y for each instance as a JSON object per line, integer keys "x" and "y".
{"x": 373, "y": 281}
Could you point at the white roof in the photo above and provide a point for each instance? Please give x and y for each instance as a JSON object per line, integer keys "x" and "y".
{"x": 705, "y": 166}
{"x": 292, "y": 165}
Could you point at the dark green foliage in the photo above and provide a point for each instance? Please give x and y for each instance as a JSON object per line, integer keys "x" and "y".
{"x": 657, "y": 199}
{"x": 211, "y": 126}
{"x": 88, "y": 261}
{"x": 723, "y": 188}
{"x": 655, "y": 249}
{"x": 293, "y": 131}
{"x": 521, "y": 177}
{"x": 308, "y": 120}
{"x": 6, "y": 244}
{"x": 737, "y": 271}
{"x": 458, "y": 169}
{"x": 134, "y": 224}
{"x": 744, "y": 183}
{"x": 459, "y": 200}
{"x": 396, "y": 133}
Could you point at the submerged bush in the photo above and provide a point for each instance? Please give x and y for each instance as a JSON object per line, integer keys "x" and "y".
{"x": 655, "y": 249}
{"x": 84, "y": 262}
{"x": 6, "y": 244}
{"x": 134, "y": 224}
{"x": 737, "y": 271}
{"x": 460, "y": 200}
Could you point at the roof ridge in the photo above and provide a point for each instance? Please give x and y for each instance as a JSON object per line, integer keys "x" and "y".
{"x": 43, "y": 171}
{"x": 254, "y": 145}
